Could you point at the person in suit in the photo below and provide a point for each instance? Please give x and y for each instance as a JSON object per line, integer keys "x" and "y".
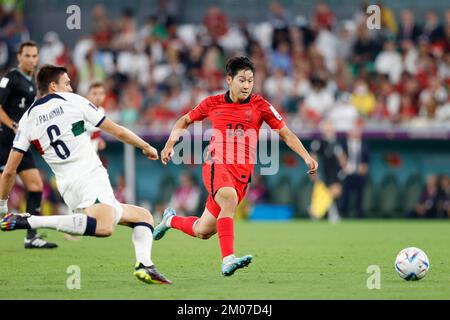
{"x": 408, "y": 30}
{"x": 430, "y": 200}
{"x": 356, "y": 167}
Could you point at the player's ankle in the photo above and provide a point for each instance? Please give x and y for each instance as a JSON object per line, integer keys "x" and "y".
{"x": 169, "y": 222}
{"x": 228, "y": 258}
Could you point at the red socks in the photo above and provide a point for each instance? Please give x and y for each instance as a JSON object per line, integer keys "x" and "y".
{"x": 225, "y": 231}
{"x": 185, "y": 224}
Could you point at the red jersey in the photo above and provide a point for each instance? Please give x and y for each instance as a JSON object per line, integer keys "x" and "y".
{"x": 235, "y": 130}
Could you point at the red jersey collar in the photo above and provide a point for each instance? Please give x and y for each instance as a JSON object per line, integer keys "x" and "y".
{"x": 228, "y": 98}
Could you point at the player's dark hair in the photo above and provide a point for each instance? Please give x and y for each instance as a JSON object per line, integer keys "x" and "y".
{"x": 48, "y": 74}
{"x": 29, "y": 43}
{"x": 236, "y": 64}
{"x": 96, "y": 84}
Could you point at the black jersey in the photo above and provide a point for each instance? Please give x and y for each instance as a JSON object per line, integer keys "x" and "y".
{"x": 17, "y": 93}
{"x": 329, "y": 152}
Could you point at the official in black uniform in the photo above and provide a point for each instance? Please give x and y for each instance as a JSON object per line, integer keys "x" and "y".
{"x": 329, "y": 151}
{"x": 17, "y": 93}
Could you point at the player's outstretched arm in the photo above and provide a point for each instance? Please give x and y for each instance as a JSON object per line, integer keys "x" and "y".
{"x": 127, "y": 136}
{"x": 181, "y": 125}
{"x": 296, "y": 145}
{"x": 8, "y": 178}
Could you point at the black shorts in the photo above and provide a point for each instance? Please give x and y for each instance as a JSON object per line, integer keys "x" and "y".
{"x": 27, "y": 161}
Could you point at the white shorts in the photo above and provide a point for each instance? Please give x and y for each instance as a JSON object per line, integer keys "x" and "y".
{"x": 96, "y": 188}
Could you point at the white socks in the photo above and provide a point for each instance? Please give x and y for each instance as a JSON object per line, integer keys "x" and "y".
{"x": 168, "y": 222}
{"x": 142, "y": 240}
{"x": 228, "y": 258}
{"x": 78, "y": 223}
{"x": 74, "y": 224}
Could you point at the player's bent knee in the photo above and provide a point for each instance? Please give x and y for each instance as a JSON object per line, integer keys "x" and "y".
{"x": 204, "y": 233}
{"x": 146, "y": 216}
{"x": 105, "y": 226}
{"x": 104, "y": 231}
{"x": 142, "y": 215}
{"x": 134, "y": 214}
{"x": 35, "y": 187}
{"x": 227, "y": 193}
{"x": 229, "y": 205}
{"x": 227, "y": 198}
{"x": 204, "y": 236}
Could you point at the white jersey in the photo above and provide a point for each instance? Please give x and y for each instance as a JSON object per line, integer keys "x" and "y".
{"x": 55, "y": 125}
{"x": 94, "y": 132}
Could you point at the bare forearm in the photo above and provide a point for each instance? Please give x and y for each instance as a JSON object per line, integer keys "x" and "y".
{"x": 127, "y": 136}
{"x": 181, "y": 125}
{"x": 296, "y": 145}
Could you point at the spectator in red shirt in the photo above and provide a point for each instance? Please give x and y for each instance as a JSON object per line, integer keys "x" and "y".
{"x": 216, "y": 22}
{"x": 323, "y": 16}
{"x": 407, "y": 109}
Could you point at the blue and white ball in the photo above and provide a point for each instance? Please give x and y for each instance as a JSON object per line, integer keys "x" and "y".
{"x": 412, "y": 264}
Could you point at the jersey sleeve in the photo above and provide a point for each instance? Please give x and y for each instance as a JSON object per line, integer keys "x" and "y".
{"x": 21, "y": 141}
{"x": 91, "y": 113}
{"x": 90, "y": 128}
{"x": 271, "y": 116}
{"x": 5, "y": 88}
{"x": 201, "y": 111}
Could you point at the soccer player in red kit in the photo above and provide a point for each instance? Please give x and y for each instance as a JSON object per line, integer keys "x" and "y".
{"x": 236, "y": 118}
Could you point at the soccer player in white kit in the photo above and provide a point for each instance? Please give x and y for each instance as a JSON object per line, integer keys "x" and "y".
{"x": 54, "y": 124}
{"x": 96, "y": 94}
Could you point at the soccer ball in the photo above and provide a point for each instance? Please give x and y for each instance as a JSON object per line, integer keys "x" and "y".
{"x": 412, "y": 264}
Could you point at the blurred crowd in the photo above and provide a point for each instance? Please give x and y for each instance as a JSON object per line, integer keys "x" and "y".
{"x": 434, "y": 201}
{"x": 310, "y": 66}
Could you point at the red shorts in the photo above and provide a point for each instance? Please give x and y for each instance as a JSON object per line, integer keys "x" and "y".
{"x": 216, "y": 176}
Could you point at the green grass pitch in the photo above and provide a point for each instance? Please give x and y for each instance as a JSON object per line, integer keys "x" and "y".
{"x": 293, "y": 260}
